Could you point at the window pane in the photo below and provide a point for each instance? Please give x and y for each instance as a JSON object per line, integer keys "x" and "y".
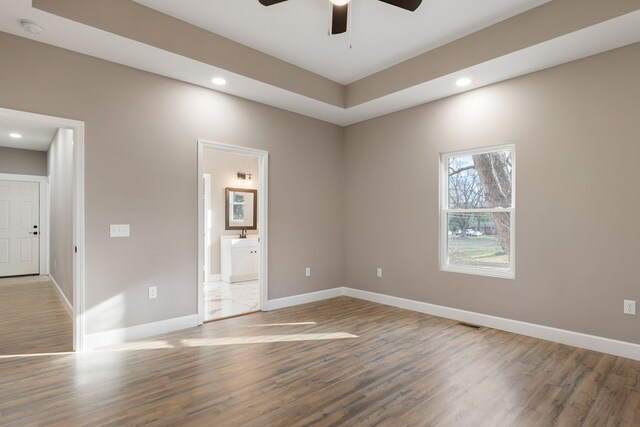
{"x": 479, "y": 240}
{"x": 480, "y": 180}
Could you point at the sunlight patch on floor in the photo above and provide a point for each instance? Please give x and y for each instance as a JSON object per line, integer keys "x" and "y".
{"x": 17, "y": 356}
{"x": 261, "y": 339}
{"x": 142, "y": 345}
{"x": 264, "y": 325}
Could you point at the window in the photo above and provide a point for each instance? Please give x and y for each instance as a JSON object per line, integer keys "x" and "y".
{"x": 478, "y": 211}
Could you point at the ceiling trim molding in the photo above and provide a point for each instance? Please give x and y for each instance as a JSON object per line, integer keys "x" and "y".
{"x": 86, "y": 39}
{"x": 134, "y": 21}
{"x": 615, "y": 33}
{"x": 546, "y": 22}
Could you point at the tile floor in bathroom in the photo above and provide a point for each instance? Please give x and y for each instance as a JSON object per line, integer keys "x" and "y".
{"x": 230, "y": 299}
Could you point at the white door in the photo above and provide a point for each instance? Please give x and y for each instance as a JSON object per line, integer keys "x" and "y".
{"x": 19, "y": 228}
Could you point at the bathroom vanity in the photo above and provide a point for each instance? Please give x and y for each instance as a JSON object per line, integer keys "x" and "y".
{"x": 239, "y": 258}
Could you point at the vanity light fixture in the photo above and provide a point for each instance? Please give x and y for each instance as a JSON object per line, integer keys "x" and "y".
{"x": 244, "y": 177}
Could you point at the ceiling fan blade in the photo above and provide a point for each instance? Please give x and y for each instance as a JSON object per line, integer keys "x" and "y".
{"x": 339, "y": 17}
{"x": 410, "y": 5}
{"x": 270, "y": 2}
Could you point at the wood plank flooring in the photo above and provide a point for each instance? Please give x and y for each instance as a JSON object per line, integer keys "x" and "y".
{"x": 33, "y": 318}
{"x": 332, "y": 363}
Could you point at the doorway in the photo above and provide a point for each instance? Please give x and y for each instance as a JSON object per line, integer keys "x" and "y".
{"x": 232, "y": 229}
{"x": 41, "y": 232}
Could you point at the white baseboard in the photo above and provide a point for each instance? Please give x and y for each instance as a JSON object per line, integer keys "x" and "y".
{"x": 63, "y": 297}
{"x": 575, "y": 339}
{"x": 118, "y": 336}
{"x": 276, "y": 304}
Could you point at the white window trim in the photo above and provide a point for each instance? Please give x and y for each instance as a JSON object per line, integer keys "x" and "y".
{"x": 443, "y": 207}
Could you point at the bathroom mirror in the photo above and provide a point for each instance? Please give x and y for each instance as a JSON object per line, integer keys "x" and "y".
{"x": 241, "y": 209}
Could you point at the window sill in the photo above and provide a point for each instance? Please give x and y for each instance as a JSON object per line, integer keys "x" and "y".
{"x": 510, "y": 274}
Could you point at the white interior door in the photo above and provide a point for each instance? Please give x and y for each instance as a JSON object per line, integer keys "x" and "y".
{"x": 19, "y": 228}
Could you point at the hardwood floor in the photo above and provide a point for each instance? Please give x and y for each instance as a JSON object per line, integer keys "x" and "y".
{"x": 33, "y": 319}
{"x": 336, "y": 362}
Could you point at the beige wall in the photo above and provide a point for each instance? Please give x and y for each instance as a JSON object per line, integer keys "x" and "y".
{"x": 141, "y": 169}
{"x": 577, "y": 130}
{"x": 223, "y": 168}
{"x": 60, "y": 164}
{"x": 23, "y": 162}
{"x": 575, "y": 126}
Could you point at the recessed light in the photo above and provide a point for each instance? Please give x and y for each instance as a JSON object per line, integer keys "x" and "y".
{"x": 15, "y": 135}
{"x": 465, "y": 81}
{"x": 31, "y": 27}
{"x": 218, "y": 81}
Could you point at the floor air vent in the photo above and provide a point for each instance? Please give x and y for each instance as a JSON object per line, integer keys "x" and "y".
{"x": 469, "y": 325}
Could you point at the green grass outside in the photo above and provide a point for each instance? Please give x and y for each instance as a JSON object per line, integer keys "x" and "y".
{"x": 481, "y": 250}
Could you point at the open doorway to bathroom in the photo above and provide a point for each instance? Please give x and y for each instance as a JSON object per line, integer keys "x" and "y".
{"x": 232, "y": 231}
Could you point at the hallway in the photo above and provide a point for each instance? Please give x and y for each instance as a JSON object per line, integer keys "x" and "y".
{"x": 33, "y": 318}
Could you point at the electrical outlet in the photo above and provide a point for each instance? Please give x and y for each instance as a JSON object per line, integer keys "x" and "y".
{"x": 379, "y": 272}
{"x": 629, "y": 307}
{"x": 307, "y": 271}
{"x": 153, "y": 292}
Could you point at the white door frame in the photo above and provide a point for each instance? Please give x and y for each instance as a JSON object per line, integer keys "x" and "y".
{"x": 43, "y": 188}
{"x": 263, "y": 186}
{"x": 78, "y": 212}
{"x": 206, "y": 209}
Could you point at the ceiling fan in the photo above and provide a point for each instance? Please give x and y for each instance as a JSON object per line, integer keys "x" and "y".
{"x": 340, "y": 11}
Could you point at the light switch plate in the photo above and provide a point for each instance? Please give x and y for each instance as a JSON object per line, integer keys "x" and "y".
{"x": 307, "y": 271}
{"x": 379, "y": 272}
{"x": 119, "y": 230}
{"x": 153, "y": 292}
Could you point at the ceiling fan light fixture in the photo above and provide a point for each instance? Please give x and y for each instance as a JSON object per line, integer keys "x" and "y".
{"x": 341, "y": 14}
